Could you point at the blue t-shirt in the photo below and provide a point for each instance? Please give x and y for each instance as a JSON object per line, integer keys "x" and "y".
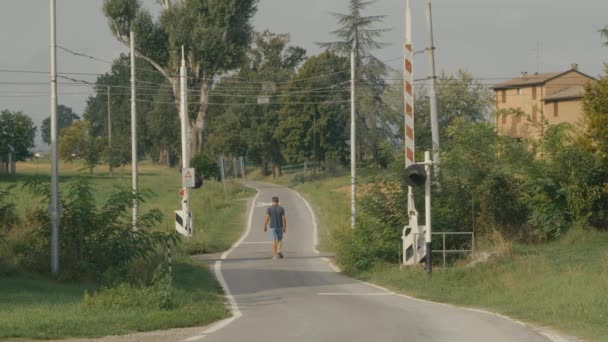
{"x": 276, "y": 213}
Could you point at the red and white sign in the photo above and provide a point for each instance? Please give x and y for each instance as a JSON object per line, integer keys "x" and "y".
{"x": 188, "y": 178}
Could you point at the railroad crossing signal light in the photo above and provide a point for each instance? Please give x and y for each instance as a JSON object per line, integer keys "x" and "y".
{"x": 198, "y": 182}
{"x": 415, "y": 175}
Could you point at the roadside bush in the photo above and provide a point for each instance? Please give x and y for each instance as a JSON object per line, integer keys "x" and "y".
{"x": 93, "y": 239}
{"x": 157, "y": 295}
{"x": 377, "y": 236}
{"x": 8, "y": 216}
{"x": 205, "y": 166}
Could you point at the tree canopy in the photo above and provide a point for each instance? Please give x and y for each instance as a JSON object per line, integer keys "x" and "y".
{"x": 17, "y": 132}
{"x": 245, "y": 114}
{"x": 215, "y": 35}
{"x": 65, "y": 117}
{"x": 359, "y": 34}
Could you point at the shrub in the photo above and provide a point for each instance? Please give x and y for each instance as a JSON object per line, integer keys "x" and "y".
{"x": 158, "y": 295}
{"x": 8, "y": 216}
{"x": 367, "y": 244}
{"x": 377, "y": 236}
{"x": 93, "y": 239}
{"x": 205, "y": 166}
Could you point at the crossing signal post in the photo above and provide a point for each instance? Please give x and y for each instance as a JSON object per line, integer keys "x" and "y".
{"x": 190, "y": 180}
{"x": 417, "y": 238}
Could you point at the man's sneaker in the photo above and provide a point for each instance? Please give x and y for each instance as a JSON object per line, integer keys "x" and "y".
{"x": 274, "y": 257}
{"x": 280, "y": 255}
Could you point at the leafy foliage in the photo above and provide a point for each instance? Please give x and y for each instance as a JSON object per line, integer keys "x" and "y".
{"x": 157, "y": 124}
{"x": 8, "y": 216}
{"x": 17, "y": 131}
{"x": 77, "y": 143}
{"x": 65, "y": 117}
{"x": 241, "y": 127}
{"x": 308, "y": 112}
{"x": 205, "y": 166}
{"x": 157, "y": 295}
{"x": 93, "y": 240}
{"x": 215, "y": 35}
{"x": 358, "y": 33}
{"x": 460, "y": 97}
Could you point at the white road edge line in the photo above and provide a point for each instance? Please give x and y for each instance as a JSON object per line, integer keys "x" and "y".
{"x": 315, "y": 232}
{"x": 548, "y": 333}
{"x": 234, "y": 307}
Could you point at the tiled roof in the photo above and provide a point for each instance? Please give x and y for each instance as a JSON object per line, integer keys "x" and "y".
{"x": 528, "y": 80}
{"x": 575, "y": 92}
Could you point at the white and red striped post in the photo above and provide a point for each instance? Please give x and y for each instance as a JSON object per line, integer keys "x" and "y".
{"x": 411, "y": 233}
{"x": 408, "y": 82}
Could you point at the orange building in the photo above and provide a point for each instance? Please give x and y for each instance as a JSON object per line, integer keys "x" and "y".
{"x": 552, "y": 98}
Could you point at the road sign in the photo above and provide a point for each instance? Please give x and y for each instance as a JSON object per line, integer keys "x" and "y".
{"x": 188, "y": 178}
{"x": 183, "y": 223}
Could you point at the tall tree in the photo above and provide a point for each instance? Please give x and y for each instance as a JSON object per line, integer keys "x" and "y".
{"x": 18, "y": 131}
{"x": 358, "y": 33}
{"x": 241, "y": 125}
{"x": 65, "y": 117}
{"x": 74, "y": 140}
{"x": 312, "y": 120}
{"x": 163, "y": 128}
{"x": 151, "y": 82}
{"x": 460, "y": 96}
{"x": 595, "y": 105}
{"x": 215, "y": 35}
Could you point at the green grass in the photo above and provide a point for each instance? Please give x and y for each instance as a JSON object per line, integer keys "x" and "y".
{"x": 217, "y": 222}
{"x": 35, "y": 307}
{"x": 563, "y": 284}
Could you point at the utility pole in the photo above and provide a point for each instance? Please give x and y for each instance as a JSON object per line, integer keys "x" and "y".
{"x": 353, "y": 144}
{"x": 314, "y": 144}
{"x": 55, "y": 210}
{"x": 427, "y": 207}
{"x": 109, "y": 118}
{"x": 109, "y": 129}
{"x": 134, "y": 133}
{"x": 433, "y": 85}
{"x": 185, "y": 122}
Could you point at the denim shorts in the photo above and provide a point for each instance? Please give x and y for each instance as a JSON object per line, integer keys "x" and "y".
{"x": 276, "y": 234}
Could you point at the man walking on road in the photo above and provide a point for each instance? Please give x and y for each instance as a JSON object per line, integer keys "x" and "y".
{"x": 275, "y": 215}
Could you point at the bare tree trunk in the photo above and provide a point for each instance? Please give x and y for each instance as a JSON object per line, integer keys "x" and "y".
{"x": 200, "y": 123}
{"x": 265, "y": 168}
{"x": 276, "y": 171}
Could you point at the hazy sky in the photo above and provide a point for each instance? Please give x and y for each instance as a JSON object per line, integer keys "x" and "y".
{"x": 492, "y": 39}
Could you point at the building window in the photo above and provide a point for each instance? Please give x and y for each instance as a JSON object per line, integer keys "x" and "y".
{"x": 555, "y": 109}
{"x": 520, "y": 91}
{"x": 533, "y": 93}
{"x": 504, "y": 96}
{"x": 534, "y": 113}
{"x": 504, "y": 119}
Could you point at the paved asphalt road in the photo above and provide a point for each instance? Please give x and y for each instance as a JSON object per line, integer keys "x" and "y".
{"x": 301, "y": 298}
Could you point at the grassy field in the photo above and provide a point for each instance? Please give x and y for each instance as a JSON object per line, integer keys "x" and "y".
{"x": 562, "y": 284}
{"x": 217, "y": 222}
{"x": 34, "y": 307}
{"x": 29, "y": 304}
